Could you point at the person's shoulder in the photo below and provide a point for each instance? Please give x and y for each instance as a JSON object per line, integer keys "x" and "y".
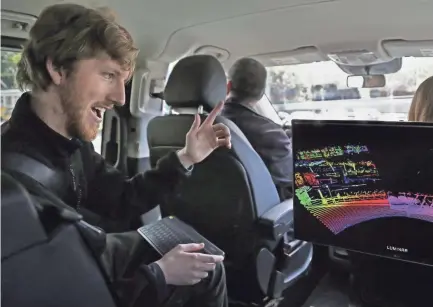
{"x": 10, "y": 138}
{"x": 262, "y": 122}
{"x": 6, "y": 129}
{"x": 270, "y": 132}
{"x": 228, "y": 108}
{"x": 238, "y": 112}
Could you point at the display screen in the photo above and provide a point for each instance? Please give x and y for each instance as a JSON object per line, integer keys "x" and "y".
{"x": 366, "y": 187}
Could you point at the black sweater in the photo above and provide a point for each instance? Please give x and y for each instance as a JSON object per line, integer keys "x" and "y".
{"x": 92, "y": 183}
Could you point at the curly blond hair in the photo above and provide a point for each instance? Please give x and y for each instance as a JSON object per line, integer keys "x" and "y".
{"x": 421, "y": 109}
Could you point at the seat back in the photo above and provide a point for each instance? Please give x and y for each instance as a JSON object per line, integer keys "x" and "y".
{"x": 44, "y": 261}
{"x": 226, "y": 193}
{"x": 230, "y": 189}
{"x": 230, "y": 197}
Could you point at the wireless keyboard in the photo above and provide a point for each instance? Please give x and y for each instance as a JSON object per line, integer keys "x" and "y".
{"x": 166, "y": 234}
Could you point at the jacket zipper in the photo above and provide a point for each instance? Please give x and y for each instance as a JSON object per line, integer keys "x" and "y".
{"x": 76, "y": 187}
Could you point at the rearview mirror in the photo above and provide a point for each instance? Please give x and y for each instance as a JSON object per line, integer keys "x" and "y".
{"x": 367, "y": 81}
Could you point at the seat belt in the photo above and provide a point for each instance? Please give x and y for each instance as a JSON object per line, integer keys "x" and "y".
{"x": 44, "y": 175}
{"x": 41, "y": 173}
{"x": 33, "y": 168}
{"x": 4, "y": 127}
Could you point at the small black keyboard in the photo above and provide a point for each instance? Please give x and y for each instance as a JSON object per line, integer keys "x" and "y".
{"x": 166, "y": 234}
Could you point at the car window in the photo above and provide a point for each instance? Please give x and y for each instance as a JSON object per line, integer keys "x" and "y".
{"x": 319, "y": 91}
{"x": 10, "y": 91}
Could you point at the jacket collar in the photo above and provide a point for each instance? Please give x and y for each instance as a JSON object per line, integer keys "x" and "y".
{"x": 234, "y": 102}
{"x": 25, "y": 121}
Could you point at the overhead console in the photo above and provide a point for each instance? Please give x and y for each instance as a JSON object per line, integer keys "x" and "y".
{"x": 386, "y": 59}
{"x": 378, "y": 68}
{"x": 365, "y": 58}
{"x": 371, "y": 60}
{"x": 358, "y": 58}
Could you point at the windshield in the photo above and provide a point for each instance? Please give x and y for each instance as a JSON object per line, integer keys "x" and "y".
{"x": 319, "y": 91}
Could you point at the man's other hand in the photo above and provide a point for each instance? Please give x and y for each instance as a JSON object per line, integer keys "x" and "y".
{"x": 202, "y": 140}
{"x": 183, "y": 265}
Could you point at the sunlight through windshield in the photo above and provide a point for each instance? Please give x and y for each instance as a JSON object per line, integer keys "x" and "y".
{"x": 319, "y": 91}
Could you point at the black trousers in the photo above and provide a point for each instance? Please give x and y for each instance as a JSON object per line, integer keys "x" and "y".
{"x": 124, "y": 259}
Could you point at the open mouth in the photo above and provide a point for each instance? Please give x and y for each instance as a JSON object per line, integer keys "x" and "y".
{"x": 99, "y": 112}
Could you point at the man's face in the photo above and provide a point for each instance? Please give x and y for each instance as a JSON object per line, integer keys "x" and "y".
{"x": 93, "y": 86}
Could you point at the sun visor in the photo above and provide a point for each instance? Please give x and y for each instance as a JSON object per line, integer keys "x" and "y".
{"x": 16, "y": 25}
{"x": 292, "y": 57}
{"x": 403, "y": 48}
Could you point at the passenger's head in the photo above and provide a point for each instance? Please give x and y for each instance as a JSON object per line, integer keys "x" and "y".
{"x": 247, "y": 80}
{"x": 77, "y": 62}
{"x": 421, "y": 109}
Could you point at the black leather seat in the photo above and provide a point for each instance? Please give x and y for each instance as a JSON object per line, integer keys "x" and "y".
{"x": 230, "y": 197}
{"x": 44, "y": 266}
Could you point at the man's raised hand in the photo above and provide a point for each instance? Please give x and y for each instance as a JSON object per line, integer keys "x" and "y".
{"x": 203, "y": 138}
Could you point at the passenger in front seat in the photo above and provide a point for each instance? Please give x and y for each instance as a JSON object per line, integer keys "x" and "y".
{"x": 246, "y": 86}
{"x": 76, "y": 63}
{"x": 421, "y": 109}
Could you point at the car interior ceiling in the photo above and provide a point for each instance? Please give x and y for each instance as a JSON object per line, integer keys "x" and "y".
{"x": 247, "y": 219}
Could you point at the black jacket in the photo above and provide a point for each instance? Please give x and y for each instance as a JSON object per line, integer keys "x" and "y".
{"x": 268, "y": 139}
{"x": 88, "y": 181}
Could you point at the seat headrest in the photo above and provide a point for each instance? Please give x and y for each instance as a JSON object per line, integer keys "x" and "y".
{"x": 197, "y": 80}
